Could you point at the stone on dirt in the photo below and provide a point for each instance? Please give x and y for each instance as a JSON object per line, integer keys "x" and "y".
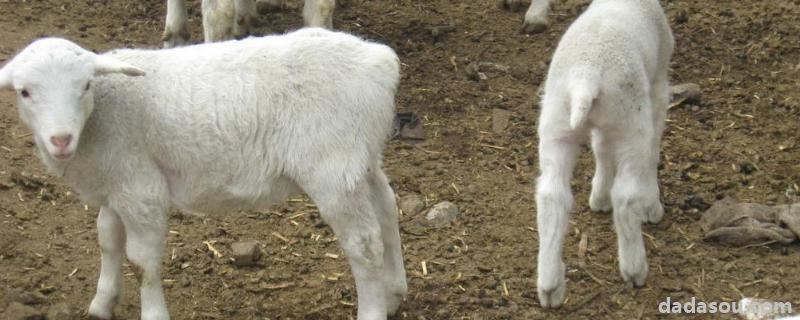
{"x": 442, "y": 214}
{"x": 500, "y": 118}
{"x": 685, "y": 93}
{"x": 411, "y": 204}
{"x": 245, "y": 253}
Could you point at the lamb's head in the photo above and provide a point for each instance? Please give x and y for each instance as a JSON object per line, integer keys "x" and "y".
{"x": 53, "y": 81}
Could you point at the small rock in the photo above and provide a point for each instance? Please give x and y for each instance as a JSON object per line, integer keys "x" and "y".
{"x": 24, "y": 215}
{"x": 695, "y": 202}
{"x": 500, "y": 120}
{"x": 439, "y": 31}
{"x": 747, "y": 168}
{"x": 4, "y": 185}
{"x": 185, "y": 281}
{"x": 473, "y": 73}
{"x": 442, "y": 214}
{"x": 27, "y": 181}
{"x": 407, "y": 125}
{"x": 491, "y": 66}
{"x": 688, "y": 93}
{"x": 18, "y": 311}
{"x": 245, "y": 253}
{"x": 411, "y": 204}
{"x": 61, "y": 311}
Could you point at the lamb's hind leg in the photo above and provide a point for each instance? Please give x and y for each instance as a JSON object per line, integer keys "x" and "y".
{"x": 554, "y": 200}
{"x": 245, "y": 14}
{"x": 605, "y": 170}
{"x": 351, "y": 215}
{"x": 176, "y": 32}
{"x": 319, "y": 13}
{"x": 660, "y": 102}
{"x": 635, "y": 198}
{"x": 394, "y": 273}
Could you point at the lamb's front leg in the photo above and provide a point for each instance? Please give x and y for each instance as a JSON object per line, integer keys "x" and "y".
{"x": 111, "y": 237}
{"x": 146, "y": 230}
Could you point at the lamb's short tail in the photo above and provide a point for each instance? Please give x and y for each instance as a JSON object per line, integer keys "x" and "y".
{"x": 584, "y": 90}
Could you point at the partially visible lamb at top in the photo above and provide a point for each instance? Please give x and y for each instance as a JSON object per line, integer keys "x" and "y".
{"x": 229, "y": 19}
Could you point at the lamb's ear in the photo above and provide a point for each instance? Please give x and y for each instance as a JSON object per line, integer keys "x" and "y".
{"x": 106, "y": 65}
{"x": 5, "y": 76}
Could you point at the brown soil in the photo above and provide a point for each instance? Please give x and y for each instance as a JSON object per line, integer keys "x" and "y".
{"x": 744, "y": 54}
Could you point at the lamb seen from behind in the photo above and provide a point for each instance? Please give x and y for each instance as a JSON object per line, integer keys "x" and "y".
{"x": 217, "y": 128}
{"x": 608, "y": 80}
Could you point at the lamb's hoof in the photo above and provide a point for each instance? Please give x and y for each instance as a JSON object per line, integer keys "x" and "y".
{"x": 172, "y": 39}
{"x": 98, "y": 315}
{"x": 552, "y": 297}
{"x": 635, "y": 278}
{"x": 599, "y": 204}
{"x": 533, "y": 27}
{"x": 655, "y": 215}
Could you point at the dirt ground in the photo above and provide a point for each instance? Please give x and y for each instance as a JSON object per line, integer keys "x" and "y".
{"x": 742, "y": 140}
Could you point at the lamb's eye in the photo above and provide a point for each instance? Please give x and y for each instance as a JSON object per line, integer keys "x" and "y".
{"x": 88, "y": 85}
{"x": 24, "y": 93}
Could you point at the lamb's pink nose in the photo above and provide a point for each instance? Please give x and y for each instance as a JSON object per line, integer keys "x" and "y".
{"x": 61, "y": 142}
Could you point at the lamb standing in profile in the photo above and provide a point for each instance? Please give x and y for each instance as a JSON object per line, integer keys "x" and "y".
{"x": 217, "y": 128}
{"x": 608, "y": 78}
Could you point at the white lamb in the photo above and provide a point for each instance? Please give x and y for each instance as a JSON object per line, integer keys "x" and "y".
{"x": 608, "y": 77}
{"x": 536, "y": 15}
{"x": 229, "y": 19}
{"x": 216, "y": 128}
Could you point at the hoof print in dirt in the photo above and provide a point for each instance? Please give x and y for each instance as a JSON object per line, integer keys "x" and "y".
{"x": 441, "y": 214}
{"x": 245, "y": 253}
